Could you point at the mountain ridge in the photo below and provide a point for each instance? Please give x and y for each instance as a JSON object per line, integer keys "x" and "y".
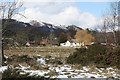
{"x": 36, "y": 31}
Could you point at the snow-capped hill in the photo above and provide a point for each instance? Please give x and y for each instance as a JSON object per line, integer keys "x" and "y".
{"x": 49, "y": 25}
{"x": 74, "y": 27}
{"x": 36, "y": 23}
{"x": 42, "y": 29}
{"x": 41, "y": 23}
{"x": 63, "y": 27}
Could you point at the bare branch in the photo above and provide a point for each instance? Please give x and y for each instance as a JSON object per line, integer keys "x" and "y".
{"x": 9, "y": 9}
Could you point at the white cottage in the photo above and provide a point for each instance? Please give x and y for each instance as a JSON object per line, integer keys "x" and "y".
{"x": 70, "y": 44}
{"x": 27, "y": 44}
{"x": 66, "y": 44}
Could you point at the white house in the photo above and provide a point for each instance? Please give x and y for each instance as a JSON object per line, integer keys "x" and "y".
{"x": 71, "y": 44}
{"x": 66, "y": 44}
{"x": 28, "y": 44}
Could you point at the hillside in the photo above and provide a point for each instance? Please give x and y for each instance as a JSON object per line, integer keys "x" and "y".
{"x": 36, "y": 31}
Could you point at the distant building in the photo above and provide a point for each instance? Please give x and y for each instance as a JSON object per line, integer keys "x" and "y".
{"x": 27, "y": 44}
{"x": 71, "y": 44}
{"x": 66, "y": 44}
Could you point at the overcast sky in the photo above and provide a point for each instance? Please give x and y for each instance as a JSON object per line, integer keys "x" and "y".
{"x": 64, "y": 12}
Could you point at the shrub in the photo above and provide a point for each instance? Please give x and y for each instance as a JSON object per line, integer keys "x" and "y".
{"x": 55, "y": 60}
{"x": 112, "y": 58}
{"x": 97, "y": 54}
{"x": 77, "y": 57}
{"x": 14, "y": 74}
{"x": 22, "y": 58}
{"x": 17, "y": 59}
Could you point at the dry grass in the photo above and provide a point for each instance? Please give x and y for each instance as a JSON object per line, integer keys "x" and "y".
{"x": 43, "y": 51}
{"x": 77, "y": 66}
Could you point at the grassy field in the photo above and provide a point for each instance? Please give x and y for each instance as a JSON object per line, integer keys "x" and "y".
{"x": 43, "y": 51}
{"x": 36, "y": 61}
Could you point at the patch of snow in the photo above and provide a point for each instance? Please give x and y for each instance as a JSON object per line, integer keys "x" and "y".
{"x": 41, "y": 23}
{"x": 25, "y": 25}
{"x": 6, "y": 56}
{"x": 22, "y": 73}
{"x": 86, "y": 75}
{"x": 102, "y": 68}
{"x": 66, "y": 71}
{"x": 41, "y": 61}
{"x": 62, "y": 27}
{"x": 79, "y": 76}
{"x": 62, "y": 76}
{"x": 36, "y": 72}
{"x": 82, "y": 71}
{"x": 3, "y": 68}
{"x": 58, "y": 69}
{"x": 98, "y": 70}
{"x": 85, "y": 68}
{"x": 109, "y": 68}
{"x": 23, "y": 67}
{"x": 49, "y": 26}
{"x": 54, "y": 27}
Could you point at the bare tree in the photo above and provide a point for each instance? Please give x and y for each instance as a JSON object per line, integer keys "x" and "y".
{"x": 110, "y": 23}
{"x": 119, "y": 23}
{"x": 104, "y": 29}
{"x": 8, "y": 11}
{"x": 113, "y": 23}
